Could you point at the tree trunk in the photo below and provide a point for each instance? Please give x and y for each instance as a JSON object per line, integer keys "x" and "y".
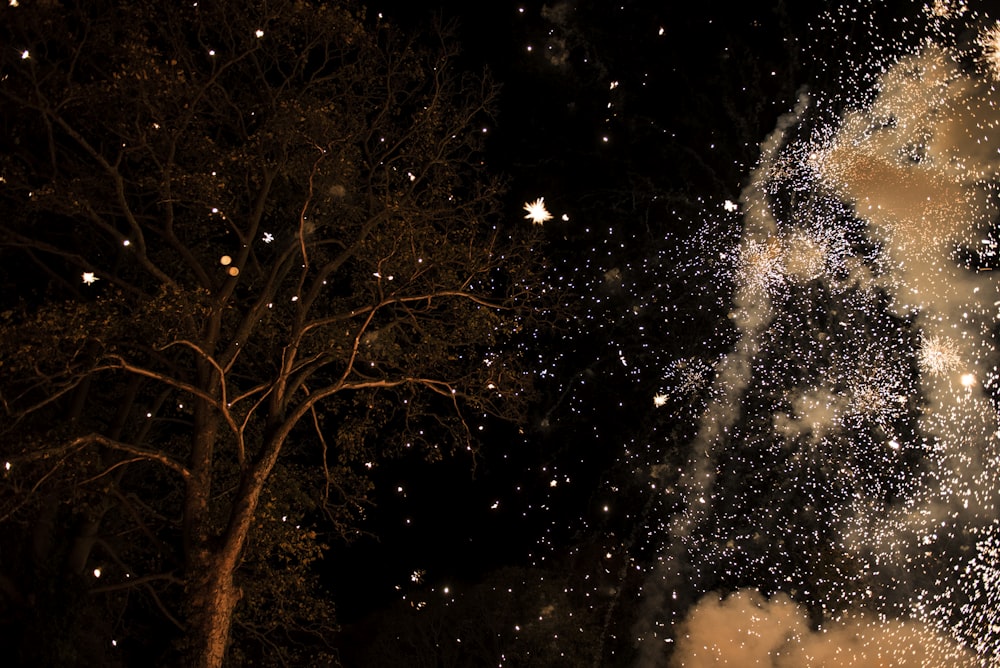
{"x": 84, "y": 540}
{"x": 213, "y": 601}
{"x": 213, "y": 596}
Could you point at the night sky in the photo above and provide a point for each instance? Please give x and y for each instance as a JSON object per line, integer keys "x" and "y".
{"x": 629, "y": 120}
{"x": 773, "y": 406}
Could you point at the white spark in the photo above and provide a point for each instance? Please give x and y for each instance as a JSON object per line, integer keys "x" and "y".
{"x": 537, "y": 213}
{"x": 938, "y": 355}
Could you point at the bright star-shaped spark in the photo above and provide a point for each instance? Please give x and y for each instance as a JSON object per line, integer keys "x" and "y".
{"x": 268, "y": 237}
{"x": 537, "y": 213}
{"x": 659, "y": 400}
{"x": 89, "y": 278}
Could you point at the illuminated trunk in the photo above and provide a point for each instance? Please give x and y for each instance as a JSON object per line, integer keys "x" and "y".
{"x": 213, "y": 595}
{"x": 213, "y": 602}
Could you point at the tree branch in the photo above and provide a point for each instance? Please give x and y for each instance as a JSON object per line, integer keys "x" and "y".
{"x": 144, "y": 453}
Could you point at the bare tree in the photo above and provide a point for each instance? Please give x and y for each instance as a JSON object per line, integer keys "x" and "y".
{"x": 245, "y": 238}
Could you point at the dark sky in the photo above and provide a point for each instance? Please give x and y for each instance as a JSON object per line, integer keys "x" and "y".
{"x": 792, "y": 399}
{"x": 629, "y": 118}
{"x": 652, "y": 80}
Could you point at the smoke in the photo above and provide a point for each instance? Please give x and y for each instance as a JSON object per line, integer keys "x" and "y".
{"x": 918, "y": 166}
{"x": 747, "y": 629}
{"x": 751, "y": 314}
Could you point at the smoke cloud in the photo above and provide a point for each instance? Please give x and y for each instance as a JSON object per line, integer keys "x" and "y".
{"x": 919, "y": 166}
{"x": 747, "y": 629}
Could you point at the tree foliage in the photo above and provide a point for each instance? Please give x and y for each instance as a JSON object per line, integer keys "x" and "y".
{"x": 253, "y": 250}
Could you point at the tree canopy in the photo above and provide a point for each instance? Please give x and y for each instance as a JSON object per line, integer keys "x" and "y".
{"x": 249, "y": 250}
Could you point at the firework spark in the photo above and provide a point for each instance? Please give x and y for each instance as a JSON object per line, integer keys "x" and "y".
{"x": 845, "y": 460}
{"x": 989, "y": 41}
{"x": 939, "y": 355}
{"x": 537, "y": 213}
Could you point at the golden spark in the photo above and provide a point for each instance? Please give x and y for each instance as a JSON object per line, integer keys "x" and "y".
{"x": 989, "y": 40}
{"x": 537, "y": 213}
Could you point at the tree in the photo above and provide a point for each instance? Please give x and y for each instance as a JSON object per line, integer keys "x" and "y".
{"x": 248, "y": 243}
